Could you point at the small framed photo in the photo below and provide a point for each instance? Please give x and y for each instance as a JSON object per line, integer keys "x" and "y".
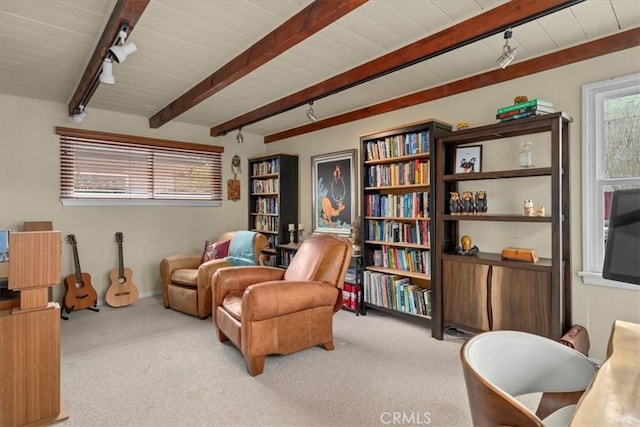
{"x": 468, "y": 159}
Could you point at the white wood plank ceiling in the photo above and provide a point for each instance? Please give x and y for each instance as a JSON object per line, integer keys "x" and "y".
{"x": 45, "y": 46}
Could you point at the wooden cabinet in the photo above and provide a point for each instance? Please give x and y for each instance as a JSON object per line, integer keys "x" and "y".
{"x": 483, "y": 292}
{"x": 273, "y": 199}
{"x": 396, "y": 226}
{"x": 30, "y": 333}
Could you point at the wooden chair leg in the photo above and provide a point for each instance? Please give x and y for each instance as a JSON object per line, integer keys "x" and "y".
{"x": 222, "y": 337}
{"x": 255, "y": 365}
{"x": 328, "y": 345}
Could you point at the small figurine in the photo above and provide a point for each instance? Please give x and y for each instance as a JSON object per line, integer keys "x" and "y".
{"x": 467, "y": 203}
{"x": 462, "y": 125}
{"x": 465, "y": 248}
{"x": 540, "y": 211}
{"x": 454, "y": 203}
{"x": 519, "y": 99}
{"x": 528, "y": 208}
{"x": 481, "y": 202}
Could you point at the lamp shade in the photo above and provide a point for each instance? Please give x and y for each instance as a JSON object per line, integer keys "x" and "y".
{"x": 106, "y": 76}
{"x": 120, "y": 53}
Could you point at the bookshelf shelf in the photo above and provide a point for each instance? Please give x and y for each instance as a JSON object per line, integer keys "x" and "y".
{"x": 273, "y": 205}
{"x": 396, "y": 175}
{"x": 505, "y": 217}
{"x": 484, "y": 292}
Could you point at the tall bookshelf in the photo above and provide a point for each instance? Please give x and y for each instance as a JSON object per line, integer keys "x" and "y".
{"x": 272, "y": 204}
{"x": 396, "y": 217}
{"x": 485, "y": 292}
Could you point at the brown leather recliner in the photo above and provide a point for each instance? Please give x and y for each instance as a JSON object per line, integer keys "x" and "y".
{"x": 186, "y": 282}
{"x": 269, "y": 310}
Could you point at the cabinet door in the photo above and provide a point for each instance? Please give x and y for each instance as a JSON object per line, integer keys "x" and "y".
{"x": 521, "y": 300}
{"x": 465, "y": 294}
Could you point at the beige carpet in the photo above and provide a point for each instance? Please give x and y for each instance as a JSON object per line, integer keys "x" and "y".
{"x": 143, "y": 365}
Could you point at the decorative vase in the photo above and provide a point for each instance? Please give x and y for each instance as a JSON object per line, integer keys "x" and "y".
{"x": 525, "y": 157}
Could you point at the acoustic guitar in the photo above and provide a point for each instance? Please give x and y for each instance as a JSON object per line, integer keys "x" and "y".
{"x": 122, "y": 291}
{"x": 78, "y": 291}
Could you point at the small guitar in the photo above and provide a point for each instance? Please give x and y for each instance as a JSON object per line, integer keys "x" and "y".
{"x": 78, "y": 291}
{"x": 122, "y": 291}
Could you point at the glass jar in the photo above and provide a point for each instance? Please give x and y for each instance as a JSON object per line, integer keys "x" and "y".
{"x": 525, "y": 158}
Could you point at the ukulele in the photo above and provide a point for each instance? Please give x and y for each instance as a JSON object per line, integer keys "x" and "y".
{"x": 122, "y": 291}
{"x": 78, "y": 291}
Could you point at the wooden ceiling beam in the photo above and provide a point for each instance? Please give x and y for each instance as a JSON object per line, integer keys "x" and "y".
{"x": 621, "y": 41}
{"x": 496, "y": 20}
{"x": 125, "y": 12}
{"x": 304, "y": 24}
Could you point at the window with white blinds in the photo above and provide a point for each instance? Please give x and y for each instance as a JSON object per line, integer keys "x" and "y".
{"x": 98, "y": 168}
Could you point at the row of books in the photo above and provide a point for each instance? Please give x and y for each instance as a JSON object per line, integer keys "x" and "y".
{"x": 266, "y": 205}
{"x": 393, "y": 231}
{"x": 265, "y": 167}
{"x": 521, "y": 110}
{"x": 396, "y": 293}
{"x": 407, "y": 205}
{"x": 397, "y": 145}
{"x": 414, "y": 260}
{"x": 350, "y": 296}
{"x": 267, "y": 260}
{"x": 405, "y": 173}
{"x": 266, "y": 223}
{"x": 351, "y": 275}
{"x": 265, "y": 185}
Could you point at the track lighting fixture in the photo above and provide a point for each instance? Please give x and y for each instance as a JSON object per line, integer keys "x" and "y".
{"x": 80, "y": 114}
{"x": 508, "y": 53}
{"x": 120, "y": 50}
{"x": 310, "y": 114}
{"x": 239, "y": 136}
{"x": 106, "y": 75}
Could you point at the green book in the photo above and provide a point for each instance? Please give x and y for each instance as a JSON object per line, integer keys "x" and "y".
{"x": 530, "y": 103}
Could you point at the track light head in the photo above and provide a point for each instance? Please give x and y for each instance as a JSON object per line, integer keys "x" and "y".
{"x": 310, "y": 114}
{"x": 120, "y": 53}
{"x": 239, "y": 136}
{"x": 79, "y": 115}
{"x": 106, "y": 76}
{"x": 508, "y": 53}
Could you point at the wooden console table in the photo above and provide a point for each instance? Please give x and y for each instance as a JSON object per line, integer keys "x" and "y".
{"x": 30, "y": 333}
{"x": 612, "y": 398}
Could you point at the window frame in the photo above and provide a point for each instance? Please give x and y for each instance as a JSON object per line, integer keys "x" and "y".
{"x": 153, "y": 147}
{"x": 593, "y": 97}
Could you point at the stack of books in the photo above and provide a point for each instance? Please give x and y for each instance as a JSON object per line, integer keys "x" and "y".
{"x": 533, "y": 107}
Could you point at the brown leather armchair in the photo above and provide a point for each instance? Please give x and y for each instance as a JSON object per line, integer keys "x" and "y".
{"x": 269, "y": 310}
{"x": 186, "y": 282}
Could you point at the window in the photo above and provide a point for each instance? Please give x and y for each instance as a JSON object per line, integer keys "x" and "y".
{"x": 610, "y": 161}
{"x": 98, "y": 168}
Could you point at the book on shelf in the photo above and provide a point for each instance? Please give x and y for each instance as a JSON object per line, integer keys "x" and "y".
{"x": 521, "y": 116}
{"x": 533, "y": 108}
{"x": 529, "y": 103}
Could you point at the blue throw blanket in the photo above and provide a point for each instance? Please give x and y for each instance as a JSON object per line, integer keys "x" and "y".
{"x": 241, "y": 249}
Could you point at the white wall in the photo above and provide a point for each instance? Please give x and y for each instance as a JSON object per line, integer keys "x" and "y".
{"x": 594, "y": 307}
{"x": 29, "y": 182}
{"x": 30, "y": 190}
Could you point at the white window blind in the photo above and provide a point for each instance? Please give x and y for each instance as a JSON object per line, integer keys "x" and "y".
{"x": 102, "y": 166}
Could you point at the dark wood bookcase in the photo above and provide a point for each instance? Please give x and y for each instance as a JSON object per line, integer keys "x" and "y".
{"x": 396, "y": 217}
{"x": 484, "y": 292}
{"x": 273, "y": 199}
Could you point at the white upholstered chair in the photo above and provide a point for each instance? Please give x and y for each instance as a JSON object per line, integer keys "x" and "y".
{"x": 498, "y": 366}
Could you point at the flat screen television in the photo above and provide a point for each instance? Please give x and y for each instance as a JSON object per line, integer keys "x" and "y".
{"x": 622, "y": 251}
